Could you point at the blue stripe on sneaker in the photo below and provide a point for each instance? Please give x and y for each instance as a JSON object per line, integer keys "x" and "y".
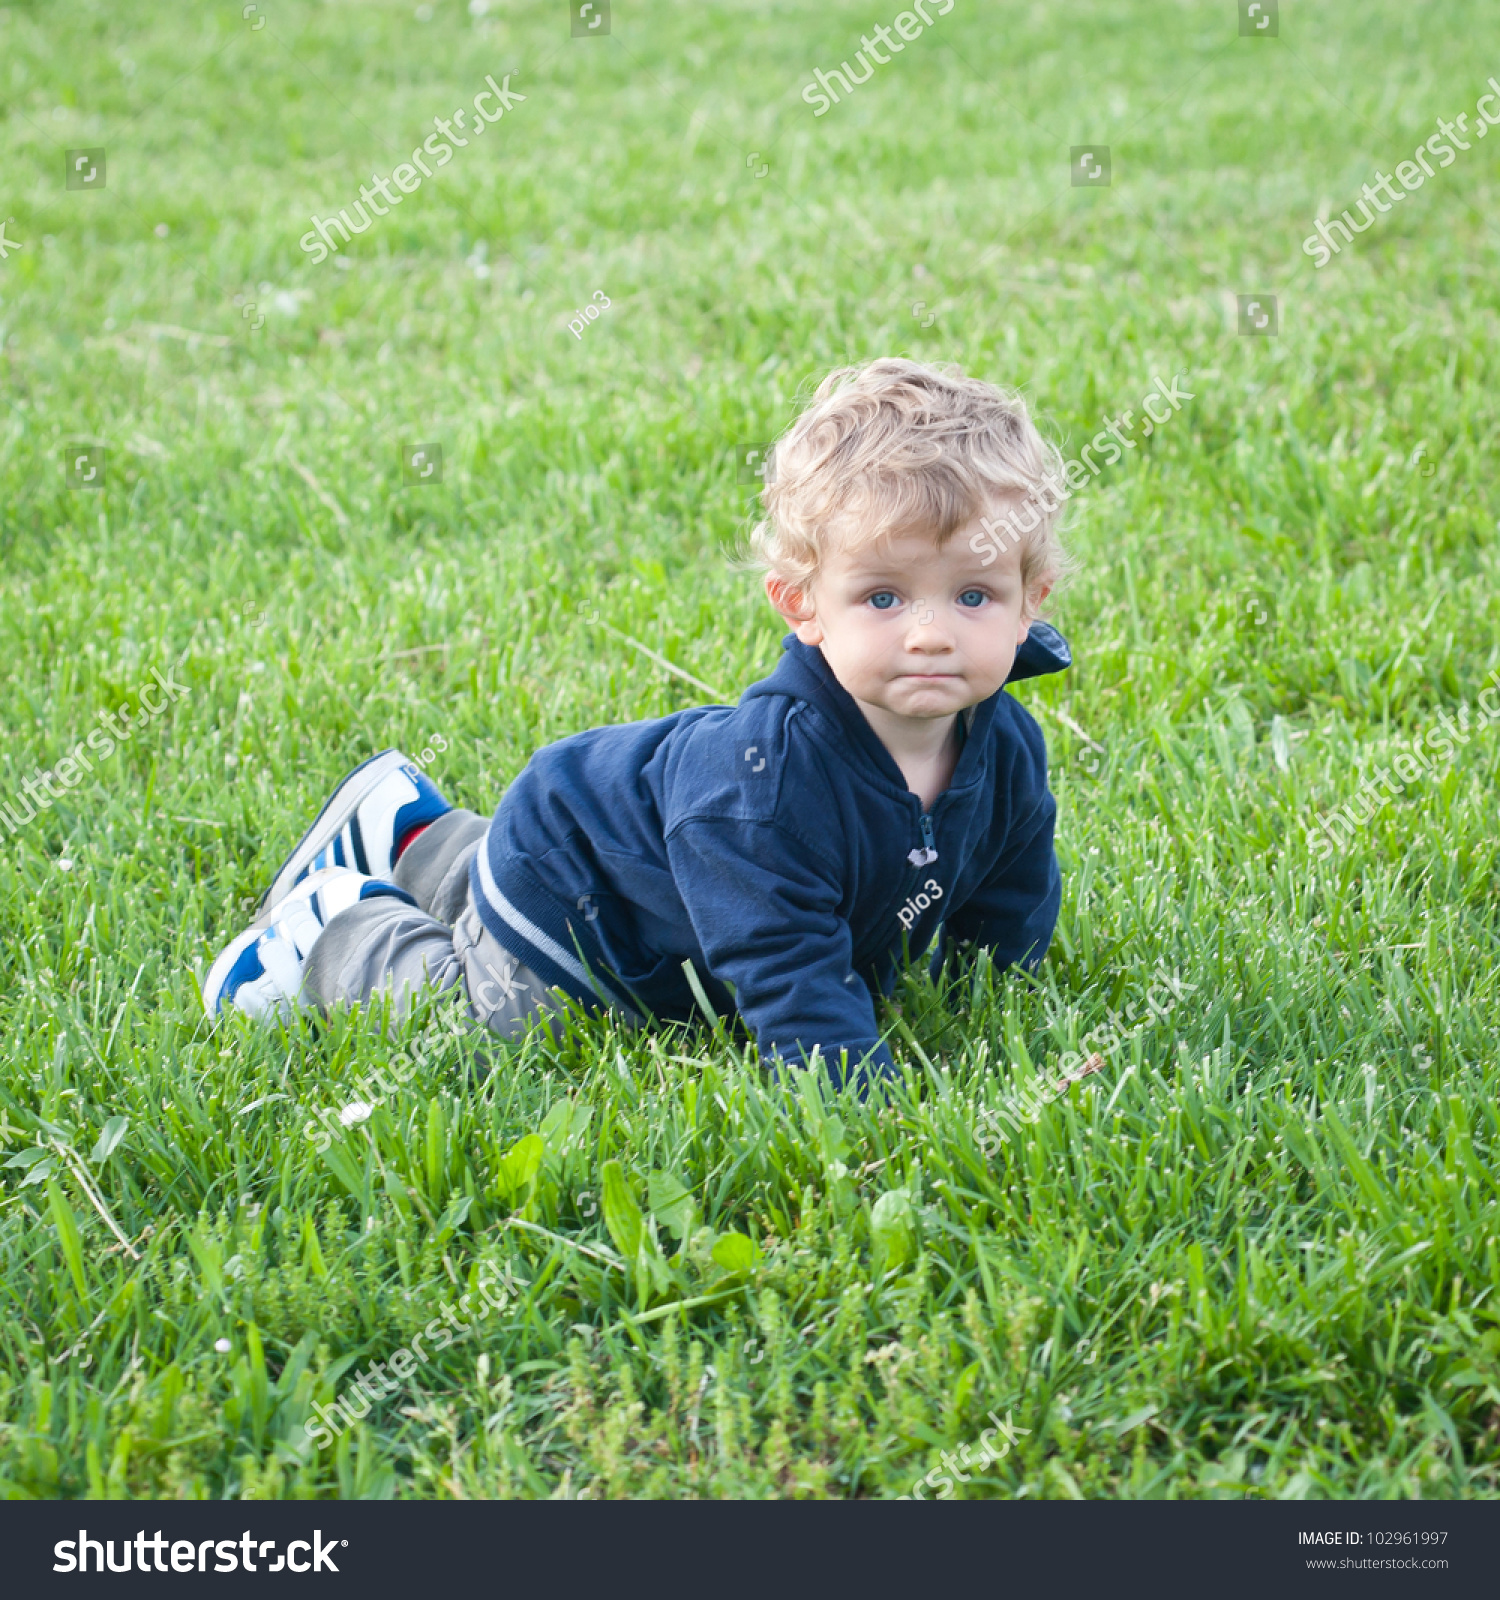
{"x": 246, "y": 967}
{"x": 427, "y": 807}
{"x": 357, "y": 839}
{"x": 377, "y": 887}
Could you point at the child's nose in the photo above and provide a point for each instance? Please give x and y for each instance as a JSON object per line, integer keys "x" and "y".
{"x": 926, "y": 629}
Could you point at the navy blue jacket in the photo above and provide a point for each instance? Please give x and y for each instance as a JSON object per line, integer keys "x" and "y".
{"x": 775, "y": 846}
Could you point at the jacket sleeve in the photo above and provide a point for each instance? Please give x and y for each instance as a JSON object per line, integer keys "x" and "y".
{"x": 1013, "y": 912}
{"x": 764, "y": 907}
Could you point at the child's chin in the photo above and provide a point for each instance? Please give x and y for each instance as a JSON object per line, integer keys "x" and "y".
{"x": 948, "y": 694}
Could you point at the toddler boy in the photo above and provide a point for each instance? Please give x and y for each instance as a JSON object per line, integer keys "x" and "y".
{"x": 775, "y": 858}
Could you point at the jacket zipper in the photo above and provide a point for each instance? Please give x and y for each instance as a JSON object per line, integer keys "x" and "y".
{"x": 909, "y": 889}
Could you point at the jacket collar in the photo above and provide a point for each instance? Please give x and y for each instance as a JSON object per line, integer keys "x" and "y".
{"x": 804, "y": 674}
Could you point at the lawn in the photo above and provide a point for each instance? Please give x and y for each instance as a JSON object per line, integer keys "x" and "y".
{"x": 1253, "y": 1255}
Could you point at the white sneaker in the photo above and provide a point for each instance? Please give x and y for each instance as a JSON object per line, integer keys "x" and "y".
{"x": 260, "y": 972}
{"x": 363, "y": 824}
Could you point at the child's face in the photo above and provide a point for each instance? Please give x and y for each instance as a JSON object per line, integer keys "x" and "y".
{"x": 917, "y": 631}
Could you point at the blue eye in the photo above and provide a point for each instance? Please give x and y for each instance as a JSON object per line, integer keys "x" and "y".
{"x": 884, "y": 600}
{"x": 972, "y": 598}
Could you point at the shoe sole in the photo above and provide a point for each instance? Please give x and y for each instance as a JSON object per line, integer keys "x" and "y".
{"x": 327, "y": 825}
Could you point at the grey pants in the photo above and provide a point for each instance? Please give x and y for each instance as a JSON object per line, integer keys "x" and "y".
{"x": 384, "y": 946}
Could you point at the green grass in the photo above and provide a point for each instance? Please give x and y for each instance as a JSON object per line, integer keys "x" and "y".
{"x": 1255, "y": 1255}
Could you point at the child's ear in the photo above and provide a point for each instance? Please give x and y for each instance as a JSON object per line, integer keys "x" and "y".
{"x": 1035, "y": 600}
{"x": 788, "y": 600}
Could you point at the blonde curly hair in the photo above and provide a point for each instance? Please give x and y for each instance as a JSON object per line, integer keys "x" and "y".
{"x": 899, "y": 446}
